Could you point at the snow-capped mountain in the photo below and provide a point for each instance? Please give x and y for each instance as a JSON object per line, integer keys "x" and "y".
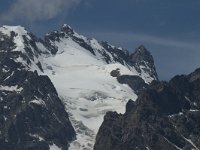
{"x": 90, "y": 77}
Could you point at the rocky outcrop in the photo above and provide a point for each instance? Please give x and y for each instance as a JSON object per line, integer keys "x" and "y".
{"x": 136, "y": 83}
{"x": 165, "y": 116}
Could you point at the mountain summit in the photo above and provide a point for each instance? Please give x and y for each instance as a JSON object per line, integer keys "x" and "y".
{"x": 143, "y": 61}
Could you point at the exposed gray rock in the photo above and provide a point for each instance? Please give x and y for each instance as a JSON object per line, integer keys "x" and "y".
{"x": 165, "y": 116}
{"x": 143, "y": 61}
{"x": 136, "y": 83}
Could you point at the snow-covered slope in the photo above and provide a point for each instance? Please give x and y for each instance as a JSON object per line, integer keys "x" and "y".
{"x": 89, "y": 92}
{"x": 80, "y": 71}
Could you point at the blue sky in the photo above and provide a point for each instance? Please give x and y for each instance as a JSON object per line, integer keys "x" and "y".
{"x": 170, "y": 29}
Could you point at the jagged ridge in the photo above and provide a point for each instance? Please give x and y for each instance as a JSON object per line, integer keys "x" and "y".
{"x": 165, "y": 116}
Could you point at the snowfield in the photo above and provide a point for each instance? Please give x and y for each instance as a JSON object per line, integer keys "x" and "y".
{"x": 88, "y": 90}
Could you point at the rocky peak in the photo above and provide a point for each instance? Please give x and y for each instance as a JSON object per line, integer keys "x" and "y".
{"x": 195, "y": 75}
{"x": 119, "y": 54}
{"x": 22, "y": 47}
{"x": 67, "y": 29}
{"x": 141, "y": 54}
{"x": 7, "y": 30}
{"x": 55, "y": 35}
{"x": 143, "y": 61}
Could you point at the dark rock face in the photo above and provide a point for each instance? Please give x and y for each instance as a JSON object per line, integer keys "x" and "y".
{"x": 136, "y": 83}
{"x": 165, "y": 116}
{"x": 34, "y": 117}
{"x": 143, "y": 61}
{"x": 31, "y": 114}
{"x": 119, "y": 55}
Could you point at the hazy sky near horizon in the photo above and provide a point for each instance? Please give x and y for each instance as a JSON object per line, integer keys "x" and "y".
{"x": 170, "y": 29}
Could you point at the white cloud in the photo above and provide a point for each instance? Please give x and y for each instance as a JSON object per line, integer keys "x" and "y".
{"x": 37, "y": 10}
